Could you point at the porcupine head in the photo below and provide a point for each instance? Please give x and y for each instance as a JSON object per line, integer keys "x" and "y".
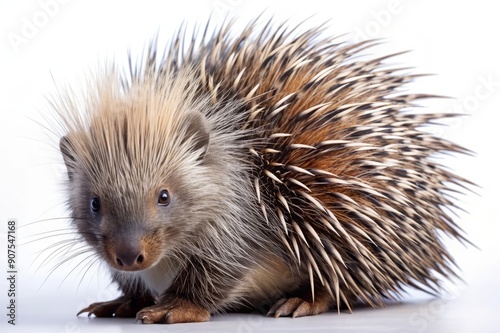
{"x": 152, "y": 174}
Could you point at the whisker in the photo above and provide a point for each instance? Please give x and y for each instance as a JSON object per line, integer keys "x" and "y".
{"x": 50, "y": 231}
{"x": 46, "y": 237}
{"x": 61, "y": 249}
{"x": 80, "y": 263}
{"x": 65, "y": 260}
{"x": 87, "y": 270}
{"x": 102, "y": 262}
{"x": 59, "y": 245}
{"x": 49, "y": 220}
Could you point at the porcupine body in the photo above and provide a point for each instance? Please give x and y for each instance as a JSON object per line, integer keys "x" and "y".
{"x": 267, "y": 170}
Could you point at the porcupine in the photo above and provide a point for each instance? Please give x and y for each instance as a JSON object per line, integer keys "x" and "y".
{"x": 269, "y": 170}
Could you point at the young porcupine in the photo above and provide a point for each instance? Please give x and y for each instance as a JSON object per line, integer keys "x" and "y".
{"x": 256, "y": 171}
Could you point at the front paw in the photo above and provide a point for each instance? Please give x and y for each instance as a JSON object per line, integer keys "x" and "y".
{"x": 177, "y": 311}
{"x": 123, "y": 307}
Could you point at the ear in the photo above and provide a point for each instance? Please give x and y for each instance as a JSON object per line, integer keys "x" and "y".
{"x": 67, "y": 153}
{"x": 197, "y": 129}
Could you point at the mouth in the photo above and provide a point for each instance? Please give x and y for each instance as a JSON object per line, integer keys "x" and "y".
{"x": 129, "y": 268}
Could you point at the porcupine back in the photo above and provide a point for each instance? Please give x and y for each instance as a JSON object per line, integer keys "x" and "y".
{"x": 344, "y": 173}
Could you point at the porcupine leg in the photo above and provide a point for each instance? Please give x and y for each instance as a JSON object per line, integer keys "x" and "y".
{"x": 301, "y": 306}
{"x": 189, "y": 299}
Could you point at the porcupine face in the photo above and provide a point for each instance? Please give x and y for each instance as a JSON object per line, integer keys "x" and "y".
{"x": 132, "y": 165}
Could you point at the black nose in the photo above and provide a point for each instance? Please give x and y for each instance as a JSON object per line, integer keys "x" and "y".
{"x": 128, "y": 255}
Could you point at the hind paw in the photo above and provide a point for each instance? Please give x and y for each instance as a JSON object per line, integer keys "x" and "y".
{"x": 298, "y": 307}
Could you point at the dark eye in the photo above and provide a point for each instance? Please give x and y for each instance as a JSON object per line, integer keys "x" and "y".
{"x": 95, "y": 204}
{"x": 163, "y": 198}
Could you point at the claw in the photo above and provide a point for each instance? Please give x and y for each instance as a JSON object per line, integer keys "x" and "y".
{"x": 146, "y": 320}
{"x": 275, "y": 307}
{"x": 87, "y": 309}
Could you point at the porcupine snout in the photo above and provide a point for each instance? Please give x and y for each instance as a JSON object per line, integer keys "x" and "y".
{"x": 131, "y": 251}
{"x": 128, "y": 254}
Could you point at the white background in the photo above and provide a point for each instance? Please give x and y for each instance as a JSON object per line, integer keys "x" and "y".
{"x": 45, "y": 43}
